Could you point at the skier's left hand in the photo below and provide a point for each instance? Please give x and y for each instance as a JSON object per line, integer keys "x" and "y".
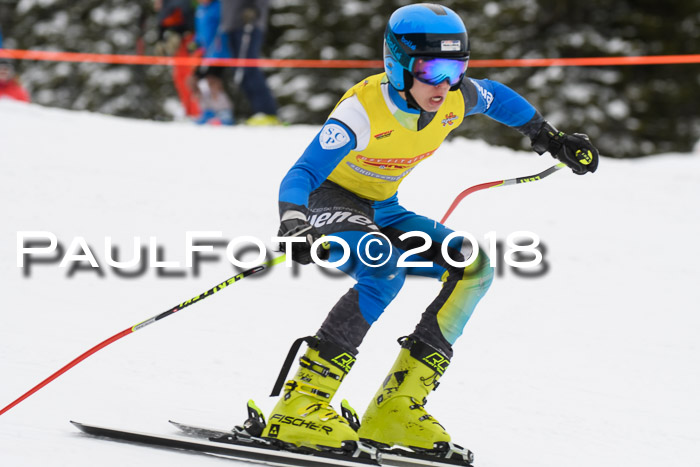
{"x": 576, "y": 150}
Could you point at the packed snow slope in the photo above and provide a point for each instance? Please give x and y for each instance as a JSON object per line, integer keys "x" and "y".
{"x": 592, "y": 362}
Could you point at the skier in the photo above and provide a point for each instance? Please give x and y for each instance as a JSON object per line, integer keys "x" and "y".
{"x": 345, "y": 184}
{"x": 9, "y": 85}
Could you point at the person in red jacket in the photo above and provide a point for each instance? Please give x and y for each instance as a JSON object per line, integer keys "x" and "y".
{"x": 9, "y": 86}
{"x": 175, "y": 39}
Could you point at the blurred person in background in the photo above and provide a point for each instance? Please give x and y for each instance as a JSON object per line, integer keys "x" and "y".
{"x": 245, "y": 22}
{"x": 9, "y": 84}
{"x": 345, "y": 184}
{"x": 207, "y": 82}
{"x": 176, "y": 39}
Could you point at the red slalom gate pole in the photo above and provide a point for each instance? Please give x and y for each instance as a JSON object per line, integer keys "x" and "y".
{"x": 142, "y": 325}
{"x": 510, "y": 181}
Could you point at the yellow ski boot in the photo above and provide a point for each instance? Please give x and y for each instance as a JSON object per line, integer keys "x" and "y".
{"x": 396, "y": 415}
{"x": 303, "y": 416}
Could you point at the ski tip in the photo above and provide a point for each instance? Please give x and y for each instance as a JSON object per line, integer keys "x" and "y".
{"x": 79, "y": 426}
{"x": 88, "y": 429}
{"x": 179, "y": 425}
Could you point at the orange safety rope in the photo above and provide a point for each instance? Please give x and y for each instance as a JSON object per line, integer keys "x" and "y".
{"x": 46, "y": 55}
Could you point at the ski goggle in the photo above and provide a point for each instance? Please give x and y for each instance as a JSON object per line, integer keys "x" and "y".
{"x": 434, "y": 71}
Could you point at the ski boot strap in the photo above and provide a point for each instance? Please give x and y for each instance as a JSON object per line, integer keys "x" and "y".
{"x": 307, "y": 389}
{"x": 350, "y": 415}
{"x": 426, "y": 354}
{"x": 318, "y": 368}
{"x": 328, "y": 351}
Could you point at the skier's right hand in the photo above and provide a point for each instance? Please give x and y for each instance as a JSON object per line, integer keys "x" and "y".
{"x": 294, "y": 224}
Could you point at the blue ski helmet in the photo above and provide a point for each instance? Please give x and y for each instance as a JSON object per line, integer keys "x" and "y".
{"x": 424, "y": 30}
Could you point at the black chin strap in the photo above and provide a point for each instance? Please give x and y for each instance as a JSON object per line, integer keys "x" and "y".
{"x": 407, "y": 85}
{"x": 412, "y": 104}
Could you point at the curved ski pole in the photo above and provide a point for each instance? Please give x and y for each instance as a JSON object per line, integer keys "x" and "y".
{"x": 510, "y": 181}
{"x": 143, "y": 324}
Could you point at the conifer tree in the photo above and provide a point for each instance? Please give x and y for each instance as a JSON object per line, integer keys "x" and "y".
{"x": 627, "y": 110}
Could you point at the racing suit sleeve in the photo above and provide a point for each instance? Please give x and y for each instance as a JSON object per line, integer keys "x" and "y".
{"x": 322, "y": 155}
{"x": 501, "y": 103}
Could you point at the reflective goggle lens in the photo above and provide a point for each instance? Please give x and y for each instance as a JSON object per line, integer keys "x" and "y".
{"x": 434, "y": 71}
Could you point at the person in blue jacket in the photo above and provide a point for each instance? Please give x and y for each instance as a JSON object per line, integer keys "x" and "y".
{"x": 215, "y": 104}
{"x": 245, "y": 22}
{"x": 345, "y": 184}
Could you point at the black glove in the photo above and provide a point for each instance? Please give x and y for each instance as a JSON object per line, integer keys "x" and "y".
{"x": 576, "y": 151}
{"x": 298, "y": 226}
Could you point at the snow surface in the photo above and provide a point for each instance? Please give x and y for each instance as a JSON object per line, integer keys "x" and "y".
{"x": 594, "y": 363}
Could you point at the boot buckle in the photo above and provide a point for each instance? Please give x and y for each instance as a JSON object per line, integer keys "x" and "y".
{"x": 350, "y": 415}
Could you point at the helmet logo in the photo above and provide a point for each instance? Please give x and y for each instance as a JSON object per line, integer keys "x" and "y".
{"x": 394, "y": 47}
{"x": 408, "y": 43}
{"x": 450, "y": 45}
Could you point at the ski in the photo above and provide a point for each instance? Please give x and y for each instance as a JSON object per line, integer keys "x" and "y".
{"x": 396, "y": 457}
{"x": 231, "y": 446}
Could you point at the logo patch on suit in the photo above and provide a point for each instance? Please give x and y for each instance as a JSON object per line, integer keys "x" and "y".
{"x": 333, "y": 136}
{"x": 383, "y": 135}
{"x": 394, "y": 163}
{"x": 449, "y": 119}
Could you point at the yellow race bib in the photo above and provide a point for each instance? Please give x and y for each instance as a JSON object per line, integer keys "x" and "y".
{"x": 393, "y": 151}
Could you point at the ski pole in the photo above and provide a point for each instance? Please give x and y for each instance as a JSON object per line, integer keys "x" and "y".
{"x": 510, "y": 181}
{"x": 143, "y": 324}
{"x": 243, "y": 51}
